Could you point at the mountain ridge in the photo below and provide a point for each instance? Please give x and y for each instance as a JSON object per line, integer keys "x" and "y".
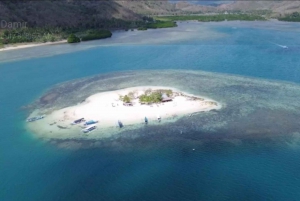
{"x": 91, "y": 13}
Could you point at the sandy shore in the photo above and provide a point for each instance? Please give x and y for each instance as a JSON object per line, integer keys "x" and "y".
{"x": 28, "y": 45}
{"x": 107, "y": 108}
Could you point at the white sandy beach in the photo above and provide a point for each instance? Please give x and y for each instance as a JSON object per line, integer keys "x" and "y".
{"x": 107, "y": 108}
{"x": 28, "y": 45}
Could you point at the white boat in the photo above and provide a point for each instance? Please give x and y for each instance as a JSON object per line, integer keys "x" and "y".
{"x": 283, "y": 46}
{"x": 89, "y": 129}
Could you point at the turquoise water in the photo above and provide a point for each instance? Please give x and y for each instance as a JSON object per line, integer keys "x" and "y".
{"x": 35, "y": 170}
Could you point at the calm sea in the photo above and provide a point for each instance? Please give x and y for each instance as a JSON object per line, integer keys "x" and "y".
{"x": 31, "y": 169}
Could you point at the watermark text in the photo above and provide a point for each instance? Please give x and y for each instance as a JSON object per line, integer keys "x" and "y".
{"x": 12, "y": 25}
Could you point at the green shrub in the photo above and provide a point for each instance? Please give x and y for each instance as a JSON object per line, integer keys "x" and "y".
{"x": 215, "y": 18}
{"x": 142, "y": 29}
{"x": 96, "y": 34}
{"x": 73, "y": 39}
{"x": 161, "y": 24}
{"x": 293, "y": 17}
{"x": 126, "y": 99}
{"x": 168, "y": 92}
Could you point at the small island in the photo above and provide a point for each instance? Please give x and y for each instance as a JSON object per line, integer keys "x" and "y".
{"x": 117, "y": 109}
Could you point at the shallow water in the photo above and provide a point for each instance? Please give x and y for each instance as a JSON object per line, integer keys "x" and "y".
{"x": 160, "y": 165}
{"x": 251, "y": 108}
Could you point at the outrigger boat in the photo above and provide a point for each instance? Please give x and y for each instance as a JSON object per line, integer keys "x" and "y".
{"x": 35, "y": 118}
{"x": 78, "y": 121}
{"x": 89, "y": 129}
{"x": 120, "y": 124}
{"x": 90, "y": 122}
{"x": 146, "y": 120}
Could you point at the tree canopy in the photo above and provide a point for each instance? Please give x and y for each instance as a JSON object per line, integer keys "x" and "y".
{"x": 73, "y": 39}
{"x": 126, "y": 99}
{"x": 96, "y": 34}
{"x": 154, "y": 97}
{"x": 293, "y": 17}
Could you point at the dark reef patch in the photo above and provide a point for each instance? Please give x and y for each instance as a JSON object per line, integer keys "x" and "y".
{"x": 48, "y": 98}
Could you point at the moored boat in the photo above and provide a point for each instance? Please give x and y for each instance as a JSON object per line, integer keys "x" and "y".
{"x": 120, "y": 124}
{"x": 90, "y": 122}
{"x": 158, "y": 118}
{"x": 78, "y": 121}
{"x": 89, "y": 129}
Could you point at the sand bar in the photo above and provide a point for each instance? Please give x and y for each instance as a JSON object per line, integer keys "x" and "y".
{"x": 108, "y": 108}
{"x": 28, "y": 45}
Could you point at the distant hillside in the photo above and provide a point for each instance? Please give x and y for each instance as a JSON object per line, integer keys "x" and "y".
{"x": 154, "y": 7}
{"x": 81, "y": 13}
{"x": 102, "y": 13}
{"x": 275, "y": 8}
{"x": 54, "y": 20}
{"x": 63, "y": 13}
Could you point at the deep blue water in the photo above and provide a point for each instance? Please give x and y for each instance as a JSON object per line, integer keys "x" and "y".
{"x": 34, "y": 170}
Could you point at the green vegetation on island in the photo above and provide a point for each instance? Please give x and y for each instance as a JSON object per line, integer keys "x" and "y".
{"x": 212, "y": 18}
{"x": 149, "y": 96}
{"x": 96, "y": 34}
{"x": 156, "y": 96}
{"x": 293, "y": 17}
{"x": 126, "y": 99}
{"x": 73, "y": 39}
{"x": 153, "y": 97}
